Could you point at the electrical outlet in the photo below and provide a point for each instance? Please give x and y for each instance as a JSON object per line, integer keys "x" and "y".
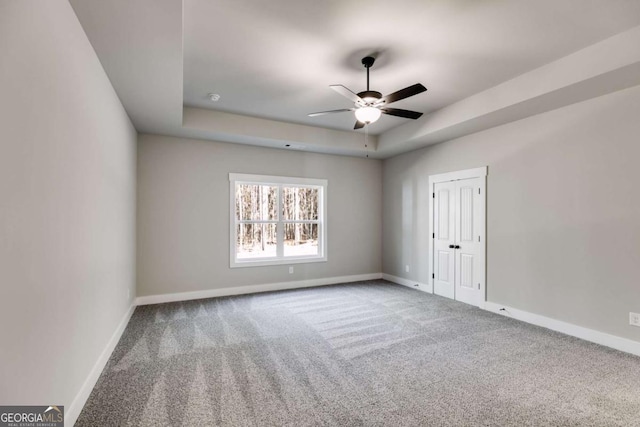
{"x": 634, "y": 319}
{"x": 406, "y": 268}
{"x": 291, "y": 270}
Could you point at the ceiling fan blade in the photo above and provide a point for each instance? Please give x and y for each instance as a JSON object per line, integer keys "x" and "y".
{"x": 407, "y": 114}
{"x": 359, "y": 125}
{"x": 322, "y": 113}
{"x": 347, "y": 93}
{"x": 402, "y": 94}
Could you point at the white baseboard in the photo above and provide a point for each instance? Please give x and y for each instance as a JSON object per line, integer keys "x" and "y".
{"x": 424, "y": 287}
{"x": 613, "y": 341}
{"x": 71, "y": 415}
{"x": 251, "y": 289}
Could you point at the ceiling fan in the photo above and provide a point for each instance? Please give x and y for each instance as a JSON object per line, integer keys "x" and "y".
{"x": 369, "y": 104}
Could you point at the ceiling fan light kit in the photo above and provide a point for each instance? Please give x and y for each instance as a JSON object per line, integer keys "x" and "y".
{"x": 368, "y": 114}
{"x": 368, "y": 104}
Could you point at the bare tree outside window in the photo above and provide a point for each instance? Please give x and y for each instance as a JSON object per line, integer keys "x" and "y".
{"x": 300, "y": 211}
{"x": 257, "y": 204}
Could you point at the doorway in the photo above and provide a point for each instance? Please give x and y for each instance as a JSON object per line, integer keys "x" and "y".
{"x": 457, "y": 212}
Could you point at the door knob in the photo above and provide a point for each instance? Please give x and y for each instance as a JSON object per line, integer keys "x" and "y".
{"x": 451, "y": 247}
{"x": 457, "y": 247}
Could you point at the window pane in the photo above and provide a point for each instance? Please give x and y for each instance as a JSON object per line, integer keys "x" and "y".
{"x": 300, "y": 239}
{"x": 256, "y": 241}
{"x": 256, "y": 202}
{"x": 300, "y": 203}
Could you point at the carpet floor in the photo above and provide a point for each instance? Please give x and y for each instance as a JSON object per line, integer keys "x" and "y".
{"x": 360, "y": 354}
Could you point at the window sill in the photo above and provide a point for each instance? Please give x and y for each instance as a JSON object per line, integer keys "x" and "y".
{"x": 265, "y": 262}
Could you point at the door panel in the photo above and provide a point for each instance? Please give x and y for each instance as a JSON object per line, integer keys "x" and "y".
{"x": 444, "y": 236}
{"x": 444, "y": 224}
{"x": 466, "y": 213}
{"x": 443, "y": 266}
{"x": 466, "y": 270}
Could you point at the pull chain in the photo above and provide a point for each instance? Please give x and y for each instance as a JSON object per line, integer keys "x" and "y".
{"x": 366, "y": 138}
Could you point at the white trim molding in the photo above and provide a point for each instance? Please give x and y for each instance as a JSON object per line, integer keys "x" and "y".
{"x": 454, "y": 176}
{"x": 251, "y": 289}
{"x": 413, "y": 284}
{"x": 71, "y": 415}
{"x": 602, "y": 338}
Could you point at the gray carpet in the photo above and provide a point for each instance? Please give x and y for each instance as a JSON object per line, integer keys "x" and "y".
{"x": 361, "y": 354}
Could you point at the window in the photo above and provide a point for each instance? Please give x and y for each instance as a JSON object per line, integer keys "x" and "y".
{"x": 277, "y": 220}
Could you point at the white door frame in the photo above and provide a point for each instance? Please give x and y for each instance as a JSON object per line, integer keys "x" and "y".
{"x": 455, "y": 176}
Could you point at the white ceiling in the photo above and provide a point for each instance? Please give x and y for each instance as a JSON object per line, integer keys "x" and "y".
{"x": 275, "y": 59}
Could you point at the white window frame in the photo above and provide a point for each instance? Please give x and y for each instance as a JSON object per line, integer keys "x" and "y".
{"x": 278, "y": 181}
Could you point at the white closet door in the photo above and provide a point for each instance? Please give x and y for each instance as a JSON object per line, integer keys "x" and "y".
{"x": 444, "y": 239}
{"x": 469, "y": 270}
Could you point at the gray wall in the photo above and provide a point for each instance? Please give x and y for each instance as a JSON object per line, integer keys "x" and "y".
{"x": 563, "y": 211}
{"x": 183, "y": 213}
{"x": 67, "y": 205}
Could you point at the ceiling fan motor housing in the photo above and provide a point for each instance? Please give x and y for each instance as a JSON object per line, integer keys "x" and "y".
{"x": 369, "y": 96}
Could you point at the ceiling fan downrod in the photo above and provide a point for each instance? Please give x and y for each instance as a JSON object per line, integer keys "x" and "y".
{"x": 368, "y": 61}
{"x": 368, "y": 95}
